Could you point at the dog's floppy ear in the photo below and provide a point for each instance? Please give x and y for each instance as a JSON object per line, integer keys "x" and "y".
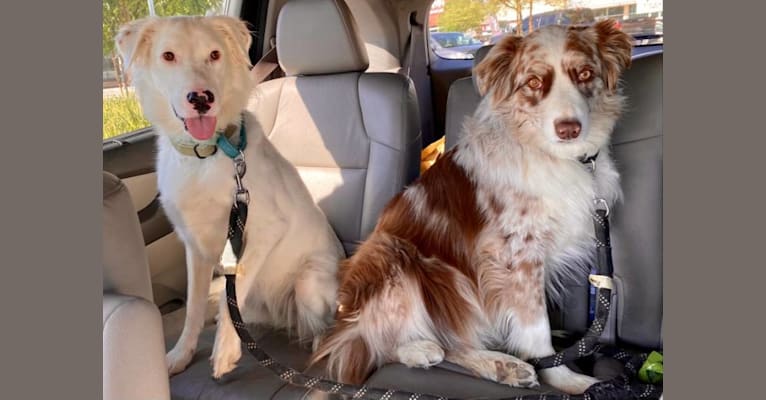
{"x": 494, "y": 72}
{"x": 614, "y": 47}
{"x": 237, "y": 35}
{"x": 133, "y": 40}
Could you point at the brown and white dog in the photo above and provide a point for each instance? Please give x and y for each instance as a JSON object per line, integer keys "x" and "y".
{"x": 458, "y": 265}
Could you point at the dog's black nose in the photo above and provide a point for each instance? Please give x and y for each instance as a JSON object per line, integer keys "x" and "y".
{"x": 567, "y": 128}
{"x": 200, "y": 101}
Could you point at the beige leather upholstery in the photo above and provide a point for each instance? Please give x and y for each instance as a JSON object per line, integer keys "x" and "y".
{"x": 319, "y": 37}
{"x": 133, "y": 344}
{"x": 353, "y": 136}
{"x": 378, "y": 28}
{"x": 125, "y": 262}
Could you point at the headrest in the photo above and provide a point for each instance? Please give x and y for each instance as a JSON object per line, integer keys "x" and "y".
{"x": 317, "y": 37}
{"x": 481, "y": 52}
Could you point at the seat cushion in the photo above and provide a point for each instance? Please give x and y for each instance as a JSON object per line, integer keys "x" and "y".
{"x": 249, "y": 380}
{"x": 446, "y": 380}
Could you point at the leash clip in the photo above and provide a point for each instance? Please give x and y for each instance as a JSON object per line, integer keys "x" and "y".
{"x": 603, "y": 204}
{"x": 240, "y": 168}
{"x": 601, "y": 281}
{"x": 239, "y": 164}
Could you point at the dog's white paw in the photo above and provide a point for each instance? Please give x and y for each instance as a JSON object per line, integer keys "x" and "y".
{"x": 516, "y": 373}
{"x": 420, "y": 354}
{"x": 566, "y": 380}
{"x": 178, "y": 359}
{"x": 227, "y": 350}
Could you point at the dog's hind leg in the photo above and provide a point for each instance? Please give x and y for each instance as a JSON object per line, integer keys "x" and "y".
{"x": 316, "y": 290}
{"x": 495, "y": 366}
{"x": 199, "y": 275}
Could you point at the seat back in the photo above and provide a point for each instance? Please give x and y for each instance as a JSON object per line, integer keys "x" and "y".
{"x": 637, "y": 221}
{"x": 353, "y": 136}
{"x": 462, "y": 99}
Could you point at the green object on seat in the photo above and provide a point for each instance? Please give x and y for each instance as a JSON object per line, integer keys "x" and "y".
{"x": 651, "y": 370}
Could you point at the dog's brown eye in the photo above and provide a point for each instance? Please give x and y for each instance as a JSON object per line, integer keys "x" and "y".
{"x": 168, "y": 56}
{"x": 585, "y": 75}
{"x": 215, "y": 54}
{"x": 535, "y": 83}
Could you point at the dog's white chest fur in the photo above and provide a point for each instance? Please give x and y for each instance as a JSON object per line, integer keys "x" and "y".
{"x": 197, "y": 196}
{"x": 545, "y": 206}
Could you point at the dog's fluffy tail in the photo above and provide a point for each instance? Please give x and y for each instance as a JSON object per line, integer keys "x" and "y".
{"x": 349, "y": 360}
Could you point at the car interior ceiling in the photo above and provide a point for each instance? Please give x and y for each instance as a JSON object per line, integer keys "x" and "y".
{"x": 444, "y": 94}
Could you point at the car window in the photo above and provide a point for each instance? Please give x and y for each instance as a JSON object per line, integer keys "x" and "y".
{"x": 454, "y": 39}
{"x": 486, "y": 22}
{"x": 122, "y": 113}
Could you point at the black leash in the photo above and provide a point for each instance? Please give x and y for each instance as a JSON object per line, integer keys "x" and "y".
{"x": 625, "y": 386}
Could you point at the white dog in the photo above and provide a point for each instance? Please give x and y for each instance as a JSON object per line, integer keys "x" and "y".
{"x": 193, "y": 80}
{"x": 456, "y": 267}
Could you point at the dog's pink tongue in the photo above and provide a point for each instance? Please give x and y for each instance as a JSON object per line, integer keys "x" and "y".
{"x": 201, "y": 128}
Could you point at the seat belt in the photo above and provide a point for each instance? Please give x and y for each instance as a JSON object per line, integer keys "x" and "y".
{"x": 266, "y": 66}
{"x": 407, "y": 56}
{"x": 419, "y": 77}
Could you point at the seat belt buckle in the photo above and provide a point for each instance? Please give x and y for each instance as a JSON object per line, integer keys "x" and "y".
{"x": 229, "y": 262}
{"x": 601, "y": 281}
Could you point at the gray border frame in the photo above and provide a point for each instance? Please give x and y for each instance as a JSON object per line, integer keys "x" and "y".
{"x": 51, "y": 290}
{"x": 713, "y": 200}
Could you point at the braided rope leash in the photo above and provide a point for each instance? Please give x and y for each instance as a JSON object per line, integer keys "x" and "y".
{"x": 622, "y": 387}
{"x": 230, "y": 258}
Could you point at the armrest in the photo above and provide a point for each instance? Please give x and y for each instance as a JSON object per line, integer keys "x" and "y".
{"x": 134, "y": 350}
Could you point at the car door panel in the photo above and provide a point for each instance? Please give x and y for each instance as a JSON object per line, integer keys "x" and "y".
{"x": 132, "y": 158}
{"x": 143, "y": 189}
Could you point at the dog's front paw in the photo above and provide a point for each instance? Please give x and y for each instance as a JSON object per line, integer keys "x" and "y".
{"x": 225, "y": 361}
{"x": 178, "y": 359}
{"x": 516, "y": 374}
{"x": 566, "y": 380}
{"x": 226, "y": 352}
{"x": 420, "y": 354}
